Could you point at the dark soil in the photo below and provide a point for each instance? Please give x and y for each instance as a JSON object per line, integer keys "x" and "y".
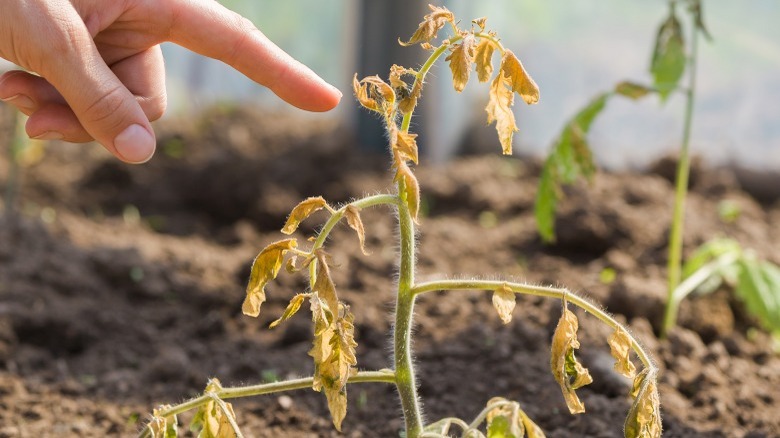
{"x": 121, "y": 288}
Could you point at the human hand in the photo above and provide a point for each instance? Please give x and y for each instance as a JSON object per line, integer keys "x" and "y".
{"x": 101, "y": 72}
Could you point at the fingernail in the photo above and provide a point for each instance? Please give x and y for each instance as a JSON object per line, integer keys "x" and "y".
{"x": 49, "y": 135}
{"x": 20, "y": 101}
{"x": 135, "y": 144}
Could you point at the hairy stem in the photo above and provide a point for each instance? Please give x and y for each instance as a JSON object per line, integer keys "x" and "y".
{"x": 674, "y": 262}
{"x": 385, "y": 376}
{"x": 404, "y": 311}
{"x": 541, "y": 291}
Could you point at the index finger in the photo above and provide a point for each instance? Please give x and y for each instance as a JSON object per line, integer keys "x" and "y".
{"x": 208, "y": 28}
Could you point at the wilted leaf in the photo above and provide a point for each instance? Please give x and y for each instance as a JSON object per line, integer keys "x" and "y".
{"x": 668, "y": 63}
{"x": 213, "y": 419}
{"x": 430, "y": 25}
{"x": 520, "y": 81}
{"x": 499, "y": 427}
{"x": 352, "y": 214}
{"x": 323, "y": 284}
{"x": 568, "y": 372}
{"x": 405, "y": 144}
{"x": 504, "y": 302}
{"x": 163, "y": 427}
{"x": 484, "y": 59}
{"x": 323, "y": 332}
{"x": 460, "y": 59}
{"x": 407, "y": 104}
{"x": 503, "y": 421}
{"x": 644, "y": 417}
{"x": 480, "y": 22}
{"x": 227, "y": 421}
{"x": 292, "y": 309}
{"x": 499, "y": 110}
{"x": 301, "y": 212}
{"x": 632, "y": 90}
{"x": 411, "y": 188}
{"x": 374, "y": 94}
{"x": 532, "y": 430}
{"x": 264, "y": 269}
{"x": 620, "y": 348}
{"x": 361, "y": 94}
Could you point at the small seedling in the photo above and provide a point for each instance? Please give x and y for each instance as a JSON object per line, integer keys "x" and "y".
{"x": 333, "y": 350}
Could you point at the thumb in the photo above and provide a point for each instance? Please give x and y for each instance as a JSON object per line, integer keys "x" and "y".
{"x": 106, "y": 109}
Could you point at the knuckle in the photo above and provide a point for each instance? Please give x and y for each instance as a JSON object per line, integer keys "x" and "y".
{"x": 104, "y": 107}
{"x": 154, "y": 106}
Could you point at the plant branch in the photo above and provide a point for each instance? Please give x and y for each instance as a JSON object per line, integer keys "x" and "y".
{"x": 385, "y": 376}
{"x": 674, "y": 262}
{"x": 541, "y": 291}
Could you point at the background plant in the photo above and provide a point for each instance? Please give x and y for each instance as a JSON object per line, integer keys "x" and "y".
{"x": 333, "y": 349}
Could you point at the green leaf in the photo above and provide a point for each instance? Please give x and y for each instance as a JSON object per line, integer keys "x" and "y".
{"x": 668, "y": 62}
{"x": 708, "y": 252}
{"x": 759, "y": 287}
{"x": 570, "y": 158}
{"x": 500, "y": 427}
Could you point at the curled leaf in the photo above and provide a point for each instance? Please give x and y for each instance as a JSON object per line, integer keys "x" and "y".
{"x": 644, "y": 417}
{"x": 215, "y": 418}
{"x": 480, "y": 22}
{"x": 460, "y": 58}
{"x": 323, "y": 284}
{"x": 620, "y": 348}
{"x": 504, "y": 302}
{"x": 410, "y": 188}
{"x": 361, "y": 94}
{"x": 568, "y": 372}
{"x": 483, "y": 59}
{"x": 264, "y": 269}
{"x": 292, "y": 309}
{"x": 521, "y": 81}
{"x": 499, "y": 110}
{"x": 668, "y": 63}
{"x": 532, "y": 430}
{"x": 632, "y": 90}
{"x": 405, "y": 144}
{"x": 352, "y": 214}
{"x": 301, "y": 211}
{"x": 430, "y": 25}
{"x": 374, "y": 94}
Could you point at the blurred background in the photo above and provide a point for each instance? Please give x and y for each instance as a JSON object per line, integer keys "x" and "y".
{"x": 574, "y": 50}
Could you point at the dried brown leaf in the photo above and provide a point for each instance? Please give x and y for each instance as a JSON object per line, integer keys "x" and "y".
{"x": 301, "y": 211}
{"x": 620, "y": 348}
{"x": 632, "y": 90}
{"x": 405, "y": 144}
{"x": 323, "y": 284}
{"x": 532, "y": 430}
{"x": 361, "y": 94}
{"x": 480, "y": 22}
{"x": 226, "y": 429}
{"x": 568, "y": 372}
{"x": 521, "y": 81}
{"x": 484, "y": 59}
{"x": 264, "y": 269}
{"x": 161, "y": 426}
{"x": 644, "y": 417}
{"x": 352, "y": 213}
{"x": 499, "y": 110}
{"x": 375, "y": 94}
{"x": 460, "y": 58}
{"x": 430, "y": 25}
{"x": 504, "y": 302}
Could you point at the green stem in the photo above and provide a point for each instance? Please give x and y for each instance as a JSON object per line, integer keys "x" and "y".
{"x": 385, "y": 376}
{"x": 540, "y": 291}
{"x": 674, "y": 262}
{"x": 404, "y": 311}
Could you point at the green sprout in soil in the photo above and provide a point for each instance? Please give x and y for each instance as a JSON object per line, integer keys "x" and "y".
{"x": 333, "y": 350}
{"x": 571, "y": 158}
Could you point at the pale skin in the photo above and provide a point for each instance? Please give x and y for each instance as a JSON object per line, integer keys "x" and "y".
{"x": 98, "y": 69}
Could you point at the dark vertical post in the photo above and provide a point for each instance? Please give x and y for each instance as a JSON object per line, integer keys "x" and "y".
{"x": 382, "y": 22}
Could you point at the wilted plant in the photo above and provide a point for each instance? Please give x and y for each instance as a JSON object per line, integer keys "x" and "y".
{"x": 333, "y": 350}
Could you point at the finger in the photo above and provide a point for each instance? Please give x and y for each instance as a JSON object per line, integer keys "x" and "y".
{"x": 103, "y": 105}
{"x": 56, "y": 121}
{"x": 212, "y": 30}
{"x": 27, "y": 92}
{"x": 144, "y": 76}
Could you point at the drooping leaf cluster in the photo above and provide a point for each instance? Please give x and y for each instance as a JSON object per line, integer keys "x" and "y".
{"x": 216, "y": 418}
{"x": 571, "y": 157}
{"x": 468, "y": 49}
{"x": 333, "y": 347}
